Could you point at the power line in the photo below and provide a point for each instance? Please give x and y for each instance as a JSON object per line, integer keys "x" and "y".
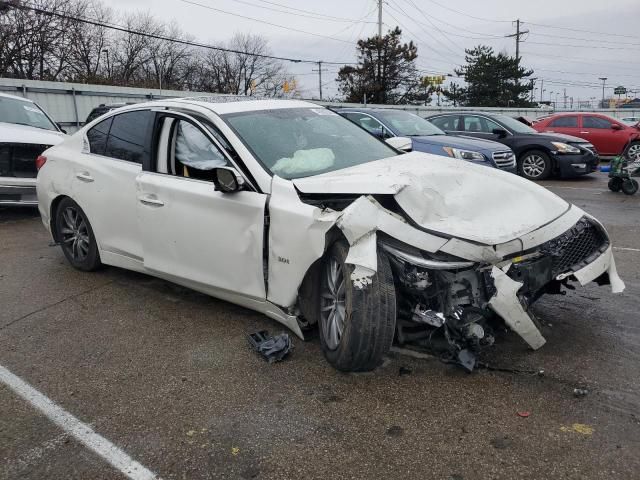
{"x": 468, "y": 15}
{"x": 325, "y": 18}
{"x": 304, "y": 11}
{"x": 431, "y": 23}
{"x": 574, "y": 46}
{"x": 584, "y": 31}
{"x": 123, "y": 29}
{"x": 208, "y": 7}
{"x": 447, "y": 61}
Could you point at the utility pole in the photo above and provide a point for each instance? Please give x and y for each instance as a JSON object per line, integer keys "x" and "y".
{"x": 517, "y": 36}
{"x": 319, "y": 70}
{"x": 604, "y": 80}
{"x": 379, "y": 18}
{"x": 564, "y": 95}
{"x": 541, "y": 88}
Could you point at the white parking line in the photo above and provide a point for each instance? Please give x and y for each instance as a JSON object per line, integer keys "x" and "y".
{"x": 628, "y": 249}
{"x": 79, "y": 430}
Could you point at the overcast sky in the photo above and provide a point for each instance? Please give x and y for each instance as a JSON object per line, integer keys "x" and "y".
{"x": 597, "y": 39}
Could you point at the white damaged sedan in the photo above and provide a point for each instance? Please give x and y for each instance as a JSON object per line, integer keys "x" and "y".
{"x": 291, "y": 210}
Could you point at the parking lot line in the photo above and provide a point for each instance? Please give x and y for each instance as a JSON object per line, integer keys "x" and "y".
{"x": 628, "y": 249}
{"x": 79, "y": 430}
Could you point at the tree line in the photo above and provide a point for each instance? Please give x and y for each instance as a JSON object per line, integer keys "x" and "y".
{"x": 145, "y": 52}
{"x": 38, "y": 46}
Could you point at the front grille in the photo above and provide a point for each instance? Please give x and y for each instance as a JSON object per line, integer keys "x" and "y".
{"x": 591, "y": 148}
{"x": 504, "y": 159}
{"x": 19, "y": 159}
{"x": 575, "y": 248}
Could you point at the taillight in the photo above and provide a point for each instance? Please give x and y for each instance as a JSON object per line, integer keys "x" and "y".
{"x": 40, "y": 161}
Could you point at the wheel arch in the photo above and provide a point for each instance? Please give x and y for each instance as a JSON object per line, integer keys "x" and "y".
{"x": 308, "y": 292}
{"x": 52, "y": 215}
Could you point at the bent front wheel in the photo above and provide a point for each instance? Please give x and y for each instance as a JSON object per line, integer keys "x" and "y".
{"x": 357, "y": 321}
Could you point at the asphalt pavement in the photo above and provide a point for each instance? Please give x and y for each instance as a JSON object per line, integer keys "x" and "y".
{"x": 166, "y": 375}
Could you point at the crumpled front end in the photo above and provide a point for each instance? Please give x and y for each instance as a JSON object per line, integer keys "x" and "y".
{"x": 460, "y": 259}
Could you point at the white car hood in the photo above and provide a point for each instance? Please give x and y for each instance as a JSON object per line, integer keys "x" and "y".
{"x": 13, "y": 133}
{"x": 449, "y": 196}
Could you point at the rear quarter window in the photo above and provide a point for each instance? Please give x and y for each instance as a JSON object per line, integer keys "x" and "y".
{"x": 130, "y": 136}
{"x": 97, "y": 136}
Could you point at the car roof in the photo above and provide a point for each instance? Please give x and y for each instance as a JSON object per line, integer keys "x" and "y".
{"x": 221, "y": 106}
{"x": 15, "y": 97}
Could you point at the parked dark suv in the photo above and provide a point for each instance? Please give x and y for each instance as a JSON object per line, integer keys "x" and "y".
{"x": 104, "y": 108}
{"x": 539, "y": 155}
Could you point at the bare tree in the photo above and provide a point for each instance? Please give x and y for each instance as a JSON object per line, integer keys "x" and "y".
{"x": 90, "y": 44}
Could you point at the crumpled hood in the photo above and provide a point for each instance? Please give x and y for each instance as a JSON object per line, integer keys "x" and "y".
{"x": 449, "y": 196}
{"x": 13, "y": 133}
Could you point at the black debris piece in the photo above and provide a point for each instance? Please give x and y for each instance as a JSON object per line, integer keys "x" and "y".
{"x": 404, "y": 371}
{"x": 272, "y": 348}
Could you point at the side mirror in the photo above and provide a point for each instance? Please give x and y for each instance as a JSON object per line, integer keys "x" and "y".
{"x": 227, "y": 180}
{"x": 500, "y": 132}
{"x": 616, "y": 126}
{"x": 400, "y": 143}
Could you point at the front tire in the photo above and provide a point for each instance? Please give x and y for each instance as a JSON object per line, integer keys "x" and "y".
{"x": 356, "y": 324}
{"x": 535, "y": 165}
{"x": 75, "y": 235}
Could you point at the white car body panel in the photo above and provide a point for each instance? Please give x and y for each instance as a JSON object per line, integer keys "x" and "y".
{"x": 214, "y": 242}
{"x": 195, "y": 233}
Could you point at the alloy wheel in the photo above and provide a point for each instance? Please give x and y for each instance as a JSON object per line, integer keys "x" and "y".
{"x": 634, "y": 151}
{"x": 533, "y": 165}
{"x": 332, "y": 308}
{"x": 75, "y": 234}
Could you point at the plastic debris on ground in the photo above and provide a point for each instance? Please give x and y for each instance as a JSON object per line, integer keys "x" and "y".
{"x": 580, "y": 392}
{"x": 524, "y": 414}
{"x": 272, "y": 348}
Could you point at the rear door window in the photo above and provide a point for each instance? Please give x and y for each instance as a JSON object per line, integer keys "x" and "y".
{"x": 564, "y": 122}
{"x": 450, "y": 123}
{"x": 97, "y": 136}
{"x": 130, "y": 136}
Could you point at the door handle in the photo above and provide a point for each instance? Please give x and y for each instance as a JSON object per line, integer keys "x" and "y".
{"x": 150, "y": 200}
{"x": 84, "y": 176}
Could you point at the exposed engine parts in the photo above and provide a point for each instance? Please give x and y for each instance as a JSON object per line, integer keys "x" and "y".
{"x": 443, "y": 310}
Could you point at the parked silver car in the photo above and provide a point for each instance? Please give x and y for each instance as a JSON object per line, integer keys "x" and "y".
{"x": 25, "y": 132}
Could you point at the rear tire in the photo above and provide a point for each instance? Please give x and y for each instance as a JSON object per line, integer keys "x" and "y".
{"x": 535, "y": 165}
{"x": 615, "y": 184}
{"x": 630, "y": 186}
{"x": 75, "y": 236}
{"x": 361, "y": 330}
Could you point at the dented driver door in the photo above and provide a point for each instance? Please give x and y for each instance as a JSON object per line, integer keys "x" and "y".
{"x": 191, "y": 233}
{"x": 197, "y": 236}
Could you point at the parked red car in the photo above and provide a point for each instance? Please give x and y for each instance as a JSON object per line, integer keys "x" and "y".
{"x": 608, "y": 135}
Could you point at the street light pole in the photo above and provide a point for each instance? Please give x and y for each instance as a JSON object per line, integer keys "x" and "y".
{"x": 604, "y": 80}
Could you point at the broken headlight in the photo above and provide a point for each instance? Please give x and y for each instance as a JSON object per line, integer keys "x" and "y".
{"x": 430, "y": 263}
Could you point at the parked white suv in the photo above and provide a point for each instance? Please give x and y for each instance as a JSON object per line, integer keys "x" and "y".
{"x": 289, "y": 209}
{"x": 25, "y": 132}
